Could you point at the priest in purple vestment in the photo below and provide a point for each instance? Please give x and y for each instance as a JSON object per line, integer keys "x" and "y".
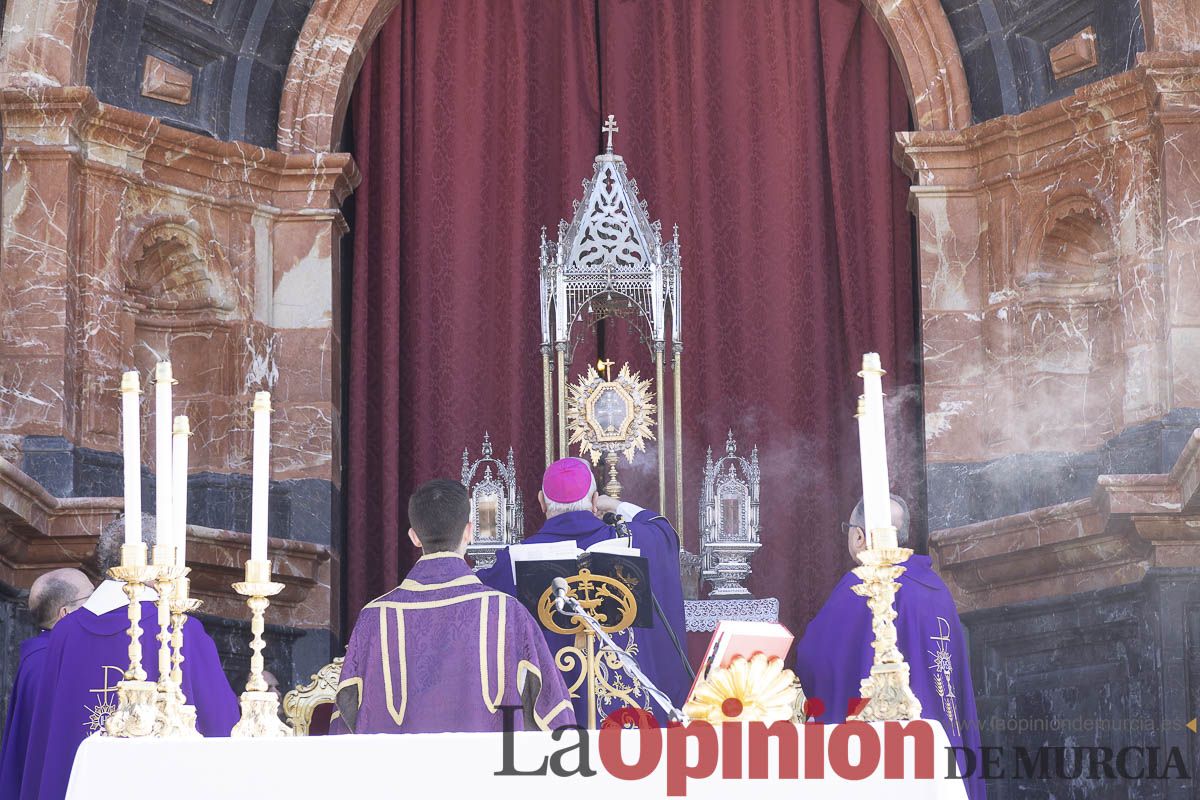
{"x": 574, "y": 509}
{"x": 87, "y": 655}
{"x": 52, "y": 596}
{"x": 835, "y": 653}
{"x": 442, "y": 652}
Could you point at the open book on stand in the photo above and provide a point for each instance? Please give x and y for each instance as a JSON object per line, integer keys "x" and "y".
{"x": 535, "y": 566}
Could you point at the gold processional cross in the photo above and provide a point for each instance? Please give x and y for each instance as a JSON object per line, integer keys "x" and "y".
{"x": 604, "y": 367}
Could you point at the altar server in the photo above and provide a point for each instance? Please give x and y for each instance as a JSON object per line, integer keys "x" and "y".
{"x": 574, "y": 512}
{"x": 87, "y": 656}
{"x": 835, "y": 653}
{"x": 442, "y": 652}
{"x": 52, "y": 596}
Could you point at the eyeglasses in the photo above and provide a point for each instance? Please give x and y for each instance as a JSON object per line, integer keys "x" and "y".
{"x": 847, "y": 527}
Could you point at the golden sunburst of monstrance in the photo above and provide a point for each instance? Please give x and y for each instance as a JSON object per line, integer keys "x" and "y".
{"x": 608, "y": 417}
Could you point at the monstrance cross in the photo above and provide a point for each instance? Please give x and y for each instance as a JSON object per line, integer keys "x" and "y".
{"x": 604, "y": 367}
{"x": 610, "y": 127}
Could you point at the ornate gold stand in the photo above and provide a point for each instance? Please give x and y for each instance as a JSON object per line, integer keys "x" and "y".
{"x": 136, "y": 713}
{"x": 260, "y": 708}
{"x": 595, "y": 664}
{"x": 179, "y": 717}
{"x": 613, "y": 487}
{"x": 886, "y": 688}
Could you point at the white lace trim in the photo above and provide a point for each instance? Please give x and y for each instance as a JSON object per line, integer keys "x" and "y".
{"x": 703, "y": 615}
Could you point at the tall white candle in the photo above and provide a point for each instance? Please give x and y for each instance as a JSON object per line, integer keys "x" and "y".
{"x": 877, "y": 498}
{"x": 162, "y": 452}
{"x": 262, "y": 476}
{"x": 179, "y": 472}
{"x": 865, "y": 462}
{"x": 131, "y": 448}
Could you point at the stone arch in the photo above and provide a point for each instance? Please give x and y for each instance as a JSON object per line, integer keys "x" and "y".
{"x": 45, "y": 42}
{"x": 338, "y": 33}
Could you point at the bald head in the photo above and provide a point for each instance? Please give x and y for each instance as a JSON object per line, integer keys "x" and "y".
{"x": 56, "y": 594}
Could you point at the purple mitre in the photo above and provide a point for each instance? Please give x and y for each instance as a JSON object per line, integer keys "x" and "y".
{"x": 835, "y": 654}
{"x": 442, "y": 652}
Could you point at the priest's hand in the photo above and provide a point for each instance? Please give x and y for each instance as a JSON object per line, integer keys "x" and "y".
{"x": 603, "y": 504}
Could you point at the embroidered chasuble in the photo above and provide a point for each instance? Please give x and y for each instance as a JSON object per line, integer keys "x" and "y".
{"x": 442, "y": 652}
{"x": 835, "y": 654}
{"x": 87, "y": 655}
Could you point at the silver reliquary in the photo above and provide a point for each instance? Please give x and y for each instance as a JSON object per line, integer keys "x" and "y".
{"x": 497, "y": 516}
{"x": 729, "y": 529}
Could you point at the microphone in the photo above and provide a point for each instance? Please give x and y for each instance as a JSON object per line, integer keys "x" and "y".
{"x": 560, "y": 593}
{"x": 616, "y": 521}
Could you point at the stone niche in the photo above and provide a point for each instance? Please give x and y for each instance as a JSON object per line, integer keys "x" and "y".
{"x": 181, "y": 306}
{"x": 1067, "y": 318}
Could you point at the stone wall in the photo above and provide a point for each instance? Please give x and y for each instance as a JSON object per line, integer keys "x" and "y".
{"x": 1058, "y": 253}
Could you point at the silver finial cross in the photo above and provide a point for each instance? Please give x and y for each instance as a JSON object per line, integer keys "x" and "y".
{"x": 610, "y": 127}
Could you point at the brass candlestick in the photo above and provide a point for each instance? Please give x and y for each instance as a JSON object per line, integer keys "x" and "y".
{"x": 260, "y": 707}
{"x": 182, "y": 604}
{"x": 136, "y": 712}
{"x": 886, "y": 688}
{"x": 171, "y": 721}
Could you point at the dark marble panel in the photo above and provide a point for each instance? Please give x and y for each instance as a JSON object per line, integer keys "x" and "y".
{"x": 963, "y": 493}
{"x": 1099, "y": 669}
{"x": 307, "y": 509}
{"x": 292, "y": 654}
{"x": 50, "y": 460}
{"x": 1006, "y": 44}
{"x": 15, "y": 627}
{"x": 236, "y": 52}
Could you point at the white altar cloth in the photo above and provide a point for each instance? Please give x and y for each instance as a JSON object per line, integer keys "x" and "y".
{"x": 450, "y": 765}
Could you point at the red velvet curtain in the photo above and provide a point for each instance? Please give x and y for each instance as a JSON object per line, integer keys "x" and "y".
{"x": 764, "y": 130}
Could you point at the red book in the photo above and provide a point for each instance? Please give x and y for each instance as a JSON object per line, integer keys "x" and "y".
{"x": 733, "y": 638}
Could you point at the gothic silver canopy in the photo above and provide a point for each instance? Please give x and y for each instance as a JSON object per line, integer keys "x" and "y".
{"x": 610, "y": 260}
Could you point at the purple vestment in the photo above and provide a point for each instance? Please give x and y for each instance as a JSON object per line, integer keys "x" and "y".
{"x": 442, "y": 653}
{"x": 655, "y": 653}
{"x": 86, "y": 658}
{"x": 20, "y": 714}
{"x": 835, "y": 655}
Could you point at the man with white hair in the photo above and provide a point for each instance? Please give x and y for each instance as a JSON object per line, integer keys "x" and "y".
{"x": 574, "y": 512}
{"x": 836, "y": 654}
{"x": 52, "y": 596}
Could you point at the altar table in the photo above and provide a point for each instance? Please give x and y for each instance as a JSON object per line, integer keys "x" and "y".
{"x": 450, "y": 765}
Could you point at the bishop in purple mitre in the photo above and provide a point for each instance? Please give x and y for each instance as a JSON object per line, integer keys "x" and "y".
{"x": 86, "y": 657}
{"x": 52, "y": 596}
{"x": 835, "y": 653}
{"x": 574, "y": 511}
{"x": 442, "y": 652}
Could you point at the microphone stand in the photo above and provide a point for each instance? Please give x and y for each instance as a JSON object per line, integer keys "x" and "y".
{"x": 564, "y": 603}
{"x": 618, "y": 522}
